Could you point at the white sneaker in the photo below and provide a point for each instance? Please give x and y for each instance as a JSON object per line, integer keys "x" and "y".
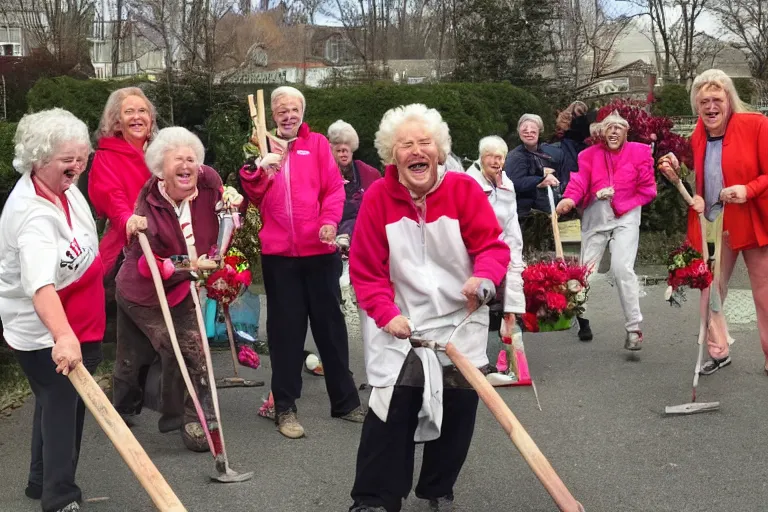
{"x": 501, "y": 379}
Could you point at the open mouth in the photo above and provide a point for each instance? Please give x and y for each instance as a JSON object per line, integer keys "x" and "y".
{"x": 69, "y": 173}
{"x": 613, "y": 139}
{"x": 418, "y": 167}
{"x": 136, "y": 126}
{"x": 184, "y": 177}
{"x": 712, "y": 116}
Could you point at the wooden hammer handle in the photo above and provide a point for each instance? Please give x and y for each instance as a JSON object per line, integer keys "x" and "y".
{"x": 126, "y": 444}
{"x": 525, "y": 445}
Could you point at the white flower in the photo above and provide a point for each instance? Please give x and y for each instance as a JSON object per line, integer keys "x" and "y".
{"x": 574, "y": 286}
{"x": 581, "y": 297}
{"x": 668, "y": 293}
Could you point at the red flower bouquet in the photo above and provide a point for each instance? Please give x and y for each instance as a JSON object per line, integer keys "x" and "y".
{"x": 686, "y": 268}
{"x": 229, "y": 282}
{"x": 555, "y": 292}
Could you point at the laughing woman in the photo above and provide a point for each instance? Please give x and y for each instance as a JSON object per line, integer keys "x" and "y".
{"x": 52, "y": 294}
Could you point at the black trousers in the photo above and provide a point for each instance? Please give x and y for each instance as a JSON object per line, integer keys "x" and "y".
{"x": 301, "y": 290}
{"x": 57, "y": 425}
{"x": 385, "y": 458}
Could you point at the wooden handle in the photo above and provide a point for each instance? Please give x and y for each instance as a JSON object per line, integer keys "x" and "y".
{"x": 126, "y": 444}
{"x": 684, "y": 192}
{"x": 261, "y": 125}
{"x": 525, "y": 445}
{"x": 556, "y": 232}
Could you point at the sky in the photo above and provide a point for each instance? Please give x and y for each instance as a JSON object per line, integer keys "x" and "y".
{"x": 705, "y": 22}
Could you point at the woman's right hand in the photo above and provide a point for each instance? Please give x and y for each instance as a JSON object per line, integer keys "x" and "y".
{"x": 66, "y": 353}
{"x": 565, "y": 206}
{"x": 135, "y": 224}
{"x": 698, "y": 204}
{"x": 399, "y": 327}
{"x": 549, "y": 181}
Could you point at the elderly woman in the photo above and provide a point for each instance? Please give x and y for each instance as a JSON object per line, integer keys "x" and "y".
{"x": 427, "y": 252}
{"x": 615, "y": 180}
{"x": 52, "y": 294}
{"x": 532, "y": 167}
{"x": 300, "y": 194}
{"x": 179, "y": 205}
{"x": 488, "y": 172}
{"x": 730, "y": 153}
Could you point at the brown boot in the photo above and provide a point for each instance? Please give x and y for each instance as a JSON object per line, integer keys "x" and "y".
{"x": 194, "y": 437}
{"x": 288, "y": 425}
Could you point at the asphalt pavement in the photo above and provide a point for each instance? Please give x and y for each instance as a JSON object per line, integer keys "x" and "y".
{"x": 602, "y": 428}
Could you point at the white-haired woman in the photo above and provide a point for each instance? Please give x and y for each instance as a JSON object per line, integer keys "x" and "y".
{"x": 179, "y": 205}
{"x": 489, "y": 173}
{"x": 52, "y": 293}
{"x": 358, "y": 176}
{"x": 300, "y": 195}
{"x": 533, "y": 166}
{"x": 427, "y": 252}
{"x": 615, "y": 180}
{"x": 730, "y": 155}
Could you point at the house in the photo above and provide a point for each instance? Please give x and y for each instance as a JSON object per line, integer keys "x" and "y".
{"x": 141, "y": 49}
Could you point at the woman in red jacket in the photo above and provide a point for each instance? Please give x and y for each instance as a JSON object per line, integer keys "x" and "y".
{"x": 730, "y": 153}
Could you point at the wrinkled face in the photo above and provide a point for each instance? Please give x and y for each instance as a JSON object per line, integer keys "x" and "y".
{"x": 615, "y": 136}
{"x": 529, "y": 133}
{"x": 180, "y": 170}
{"x": 416, "y": 157}
{"x": 66, "y": 164}
{"x": 287, "y": 113}
{"x": 492, "y": 165}
{"x": 714, "y": 109}
{"x": 342, "y": 153}
{"x": 135, "y": 121}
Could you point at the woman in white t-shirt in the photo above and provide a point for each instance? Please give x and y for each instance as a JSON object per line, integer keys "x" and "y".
{"x": 51, "y": 285}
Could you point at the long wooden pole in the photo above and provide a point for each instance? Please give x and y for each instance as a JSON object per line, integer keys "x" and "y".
{"x": 125, "y": 442}
{"x": 509, "y": 422}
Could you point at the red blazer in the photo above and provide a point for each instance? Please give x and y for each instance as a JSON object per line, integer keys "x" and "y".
{"x": 745, "y": 162}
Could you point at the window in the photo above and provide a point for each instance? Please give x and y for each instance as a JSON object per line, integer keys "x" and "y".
{"x": 333, "y": 48}
{"x": 10, "y": 41}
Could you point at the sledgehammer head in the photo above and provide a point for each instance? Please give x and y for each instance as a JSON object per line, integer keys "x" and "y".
{"x": 691, "y": 408}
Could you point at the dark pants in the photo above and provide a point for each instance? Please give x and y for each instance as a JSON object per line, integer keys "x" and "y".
{"x": 385, "y": 457}
{"x": 298, "y": 290}
{"x": 57, "y": 425}
{"x": 141, "y": 337}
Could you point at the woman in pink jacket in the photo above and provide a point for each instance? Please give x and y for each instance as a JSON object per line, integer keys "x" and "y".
{"x": 300, "y": 195}
{"x": 615, "y": 180}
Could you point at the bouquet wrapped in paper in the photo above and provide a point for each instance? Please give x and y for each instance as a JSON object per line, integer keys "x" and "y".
{"x": 555, "y": 292}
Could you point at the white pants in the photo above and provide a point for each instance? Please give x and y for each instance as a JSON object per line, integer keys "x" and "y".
{"x": 348, "y": 300}
{"x": 600, "y": 227}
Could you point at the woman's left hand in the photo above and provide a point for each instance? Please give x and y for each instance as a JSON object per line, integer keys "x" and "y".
{"x": 507, "y": 325}
{"x": 328, "y": 234}
{"x": 735, "y": 194}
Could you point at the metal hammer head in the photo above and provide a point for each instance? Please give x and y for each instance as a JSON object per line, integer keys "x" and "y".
{"x": 232, "y": 477}
{"x": 691, "y": 408}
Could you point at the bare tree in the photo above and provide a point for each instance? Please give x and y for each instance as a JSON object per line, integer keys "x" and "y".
{"x": 600, "y": 29}
{"x": 747, "y": 21}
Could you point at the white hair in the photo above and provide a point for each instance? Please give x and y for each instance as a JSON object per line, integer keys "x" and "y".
{"x": 39, "y": 135}
{"x": 395, "y": 117}
{"x": 493, "y": 145}
{"x": 168, "y": 139}
{"x": 291, "y": 92}
{"x": 717, "y": 79}
{"x": 342, "y": 132}
{"x": 533, "y": 118}
{"x": 613, "y": 119}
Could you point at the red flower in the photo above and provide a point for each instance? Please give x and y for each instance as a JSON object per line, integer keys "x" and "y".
{"x": 531, "y": 322}
{"x": 556, "y": 302}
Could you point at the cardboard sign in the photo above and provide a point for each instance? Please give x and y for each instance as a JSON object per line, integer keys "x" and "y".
{"x": 570, "y": 231}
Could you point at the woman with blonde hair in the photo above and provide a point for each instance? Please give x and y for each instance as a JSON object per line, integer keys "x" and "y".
{"x": 730, "y": 155}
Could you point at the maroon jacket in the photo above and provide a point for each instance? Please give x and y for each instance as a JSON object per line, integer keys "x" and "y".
{"x": 368, "y": 174}
{"x": 165, "y": 237}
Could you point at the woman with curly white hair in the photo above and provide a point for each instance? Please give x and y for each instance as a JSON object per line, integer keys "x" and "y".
{"x": 427, "y": 257}
{"x": 179, "y": 205}
{"x": 488, "y": 171}
{"x": 52, "y": 293}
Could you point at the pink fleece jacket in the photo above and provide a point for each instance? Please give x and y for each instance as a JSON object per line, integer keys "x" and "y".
{"x": 629, "y": 172}
{"x": 295, "y": 203}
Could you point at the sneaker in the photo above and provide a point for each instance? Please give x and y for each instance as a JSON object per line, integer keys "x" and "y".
{"x": 72, "y": 507}
{"x": 366, "y": 508}
{"x": 712, "y": 365}
{"x": 288, "y": 425}
{"x": 193, "y": 437}
{"x": 442, "y": 504}
{"x": 633, "y": 341}
{"x": 585, "y": 331}
{"x": 356, "y": 415}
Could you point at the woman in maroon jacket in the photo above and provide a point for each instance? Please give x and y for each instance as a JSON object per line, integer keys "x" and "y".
{"x": 179, "y": 203}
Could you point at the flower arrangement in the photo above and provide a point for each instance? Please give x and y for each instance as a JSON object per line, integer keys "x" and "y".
{"x": 555, "y": 292}
{"x": 687, "y": 268}
{"x": 231, "y": 280}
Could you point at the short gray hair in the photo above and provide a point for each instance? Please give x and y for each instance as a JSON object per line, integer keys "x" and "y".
{"x": 342, "y": 132}
{"x": 492, "y": 145}
{"x": 111, "y": 115}
{"x": 168, "y": 139}
{"x": 291, "y": 92}
{"x": 395, "y": 117}
{"x": 613, "y": 119}
{"x": 533, "y": 118}
{"x": 39, "y": 135}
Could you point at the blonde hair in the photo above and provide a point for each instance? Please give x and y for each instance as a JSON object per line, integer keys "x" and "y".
{"x": 395, "y": 117}
{"x": 718, "y": 80}
{"x": 39, "y": 135}
{"x": 342, "y": 132}
{"x": 291, "y": 92}
{"x": 613, "y": 119}
{"x": 108, "y": 126}
{"x": 168, "y": 139}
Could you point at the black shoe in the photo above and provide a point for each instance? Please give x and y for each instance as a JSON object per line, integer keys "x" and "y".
{"x": 585, "y": 332}
{"x": 34, "y": 491}
{"x": 169, "y": 423}
{"x": 712, "y": 365}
